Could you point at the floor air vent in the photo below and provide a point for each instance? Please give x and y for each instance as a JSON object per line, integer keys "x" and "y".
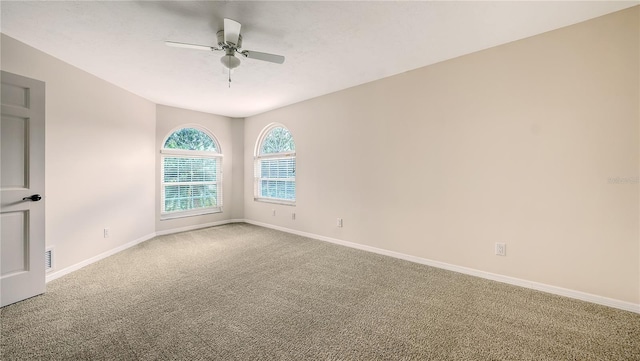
{"x": 48, "y": 259}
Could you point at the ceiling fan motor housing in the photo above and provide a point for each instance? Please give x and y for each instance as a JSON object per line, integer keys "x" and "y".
{"x": 222, "y": 44}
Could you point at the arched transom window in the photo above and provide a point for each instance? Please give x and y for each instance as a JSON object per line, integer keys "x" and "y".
{"x": 275, "y": 165}
{"x": 191, "y": 179}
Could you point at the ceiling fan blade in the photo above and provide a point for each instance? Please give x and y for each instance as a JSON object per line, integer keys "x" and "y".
{"x": 190, "y": 46}
{"x": 231, "y": 31}
{"x": 272, "y": 58}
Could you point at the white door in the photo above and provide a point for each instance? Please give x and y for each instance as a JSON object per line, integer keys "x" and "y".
{"x": 22, "y": 243}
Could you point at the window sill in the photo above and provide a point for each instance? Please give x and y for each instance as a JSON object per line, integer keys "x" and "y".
{"x": 198, "y": 212}
{"x": 276, "y": 201}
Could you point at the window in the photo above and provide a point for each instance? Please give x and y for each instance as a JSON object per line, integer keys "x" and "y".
{"x": 275, "y": 166}
{"x": 191, "y": 179}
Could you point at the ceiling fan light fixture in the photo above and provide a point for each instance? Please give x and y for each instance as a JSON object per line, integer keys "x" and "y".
{"x": 230, "y": 61}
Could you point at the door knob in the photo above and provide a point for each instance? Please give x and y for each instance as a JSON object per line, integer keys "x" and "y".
{"x": 34, "y": 198}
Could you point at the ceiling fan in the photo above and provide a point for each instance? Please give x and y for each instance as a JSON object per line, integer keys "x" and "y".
{"x": 230, "y": 41}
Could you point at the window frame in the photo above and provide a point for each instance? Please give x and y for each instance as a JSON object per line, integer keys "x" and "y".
{"x": 257, "y": 158}
{"x": 183, "y": 153}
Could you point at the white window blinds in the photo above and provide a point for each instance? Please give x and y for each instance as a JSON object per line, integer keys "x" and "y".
{"x": 191, "y": 183}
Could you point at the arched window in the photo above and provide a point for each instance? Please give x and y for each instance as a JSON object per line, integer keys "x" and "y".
{"x": 275, "y": 166}
{"x": 191, "y": 179}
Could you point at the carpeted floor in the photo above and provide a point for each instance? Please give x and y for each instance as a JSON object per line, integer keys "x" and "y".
{"x": 241, "y": 292}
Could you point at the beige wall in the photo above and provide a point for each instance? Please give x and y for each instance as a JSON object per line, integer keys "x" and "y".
{"x": 170, "y": 119}
{"x": 100, "y": 142}
{"x": 514, "y": 144}
{"x": 237, "y": 195}
{"x": 533, "y": 143}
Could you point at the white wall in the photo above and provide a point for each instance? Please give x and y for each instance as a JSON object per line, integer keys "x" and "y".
{"x": 100, "y": 142}
{"x": 229, "y": 137}
{"x": 514, "y": 144}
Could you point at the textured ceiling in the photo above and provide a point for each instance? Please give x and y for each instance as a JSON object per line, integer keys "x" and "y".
{"x": 328, "y": 46}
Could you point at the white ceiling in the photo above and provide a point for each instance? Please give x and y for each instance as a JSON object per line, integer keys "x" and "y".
{"x": 328, "y": 46}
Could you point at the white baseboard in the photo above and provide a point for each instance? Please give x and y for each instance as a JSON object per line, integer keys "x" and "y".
{"x": 627, "y": 306}
{"x": 65, "y": 271}
{"x": 605, "y": 301}
{"x": 197, "y": 226}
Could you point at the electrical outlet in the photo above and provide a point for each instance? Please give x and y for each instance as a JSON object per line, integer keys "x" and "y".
{"x": 339, "y": 222}
{"x": 273, "y": 212}
{"x": 106, "y": 233}
{"x": 501, "y": 249}
{"x": 293, "y": 216}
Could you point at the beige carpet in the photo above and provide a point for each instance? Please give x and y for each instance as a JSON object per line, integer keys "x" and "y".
{"x": 241, "y": 292}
